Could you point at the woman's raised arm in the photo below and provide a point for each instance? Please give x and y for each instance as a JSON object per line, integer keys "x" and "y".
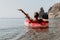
{"x": 25, "y": 14}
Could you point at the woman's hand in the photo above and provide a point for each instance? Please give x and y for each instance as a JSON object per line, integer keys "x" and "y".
{"x": 20, "y": 10}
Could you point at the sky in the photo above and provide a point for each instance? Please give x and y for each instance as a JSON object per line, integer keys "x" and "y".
{"x": 9, "y": 8}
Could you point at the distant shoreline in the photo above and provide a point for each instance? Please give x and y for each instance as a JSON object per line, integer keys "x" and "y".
{"x": 12, "y": 18}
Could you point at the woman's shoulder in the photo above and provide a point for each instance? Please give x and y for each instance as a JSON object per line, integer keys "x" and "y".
{"x": 45, "y": 20}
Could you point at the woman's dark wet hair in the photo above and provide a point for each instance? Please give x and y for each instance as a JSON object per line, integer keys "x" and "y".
{"x": 36, "y": 15}
{"x": 45, "y": 16}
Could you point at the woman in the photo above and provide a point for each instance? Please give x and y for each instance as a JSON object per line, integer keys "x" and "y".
{"x": 45, "y": 20}
{"x": 29, "y": 18}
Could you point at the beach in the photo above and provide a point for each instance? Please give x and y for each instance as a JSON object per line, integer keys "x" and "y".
{"x": 51, "y": 34}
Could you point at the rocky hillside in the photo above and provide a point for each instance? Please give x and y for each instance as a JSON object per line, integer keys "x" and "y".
{"x": 55, "y": 9}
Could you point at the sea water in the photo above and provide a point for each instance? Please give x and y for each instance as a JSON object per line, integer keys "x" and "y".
{"x": 11, "y": 28}
{"x": 54, "y": 22}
